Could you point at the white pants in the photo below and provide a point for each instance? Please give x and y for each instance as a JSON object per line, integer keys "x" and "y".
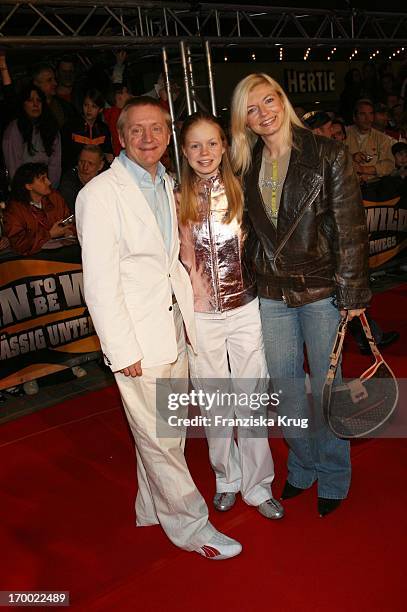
{"x": 247, "y": 467}
{"x": 166, "y": 492}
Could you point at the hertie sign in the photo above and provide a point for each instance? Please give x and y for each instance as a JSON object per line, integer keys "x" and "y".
{"x": 309, "y": 81}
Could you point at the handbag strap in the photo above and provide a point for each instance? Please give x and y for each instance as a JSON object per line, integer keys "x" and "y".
{"x": 338, "y": 345}
{"x": 337, "y": 350}
{"x": 369, "y": 336}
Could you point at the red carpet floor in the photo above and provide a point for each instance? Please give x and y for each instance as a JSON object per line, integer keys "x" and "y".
{"x": 67, "y": 520}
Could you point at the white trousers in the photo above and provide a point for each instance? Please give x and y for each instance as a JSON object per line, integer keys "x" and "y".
{"x": 235, "y": 340}
{"x": 166, "y": 492}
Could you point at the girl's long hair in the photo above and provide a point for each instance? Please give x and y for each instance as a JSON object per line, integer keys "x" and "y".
{"x": 188, "y": 209}
{"x": 46, "y": 122}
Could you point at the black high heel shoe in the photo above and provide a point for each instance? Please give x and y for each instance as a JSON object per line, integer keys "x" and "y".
{"x": 326, "y": 506}
{"x": 290, "y": 491}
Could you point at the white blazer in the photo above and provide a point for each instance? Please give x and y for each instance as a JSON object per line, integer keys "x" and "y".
{"x": 128, "y": 275}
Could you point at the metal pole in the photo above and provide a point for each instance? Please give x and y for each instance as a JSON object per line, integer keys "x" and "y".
{"x": 171, "y": 105}
{"x": 140, "y": 19}
{"x": 210, "y": 76}
{"x": 186, "y": 79}
{"x": 191, "y": 79}
{"x": 217, "y": 22}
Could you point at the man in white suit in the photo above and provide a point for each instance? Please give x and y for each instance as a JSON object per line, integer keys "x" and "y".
{"x": 139, "y": 297}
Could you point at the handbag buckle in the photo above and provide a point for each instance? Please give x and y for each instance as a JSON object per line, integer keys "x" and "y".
{"x": 357, "y": 390}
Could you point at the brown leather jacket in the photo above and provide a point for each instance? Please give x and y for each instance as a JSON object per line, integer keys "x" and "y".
{"x": 213, "y": 253}
{"x": 320, "y": 246}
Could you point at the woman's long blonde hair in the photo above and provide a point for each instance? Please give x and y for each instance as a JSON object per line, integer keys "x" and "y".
{"x": 188, "y": 209}
{"x": 243, "y": 139}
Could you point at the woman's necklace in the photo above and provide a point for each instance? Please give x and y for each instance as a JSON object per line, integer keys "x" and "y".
{"x": 271, "y": 183}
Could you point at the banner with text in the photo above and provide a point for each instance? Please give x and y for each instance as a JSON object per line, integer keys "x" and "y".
{"x": 385, "y": 204}
{"x": 44, "y": 323}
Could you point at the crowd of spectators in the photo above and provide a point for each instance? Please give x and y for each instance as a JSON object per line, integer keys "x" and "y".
{"x": 58, "y": 131}
{"x": 64, "y": 119}
{"x": 371, "y": 119}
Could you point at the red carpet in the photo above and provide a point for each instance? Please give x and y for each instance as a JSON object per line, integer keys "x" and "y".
{"x": 67, "y": 519}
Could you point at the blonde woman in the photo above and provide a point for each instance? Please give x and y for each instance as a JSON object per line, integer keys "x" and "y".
{"x": 311, "y": 265}
{"x": 229, "y": 340}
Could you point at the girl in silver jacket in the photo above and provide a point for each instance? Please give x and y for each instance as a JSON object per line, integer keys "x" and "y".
{"x": 230, "y": 363}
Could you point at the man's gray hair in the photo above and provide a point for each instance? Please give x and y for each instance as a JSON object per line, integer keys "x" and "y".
{"x": 141, "y": 101}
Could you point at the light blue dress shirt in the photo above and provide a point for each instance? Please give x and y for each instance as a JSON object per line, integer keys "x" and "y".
{"x": 155, "y": 194}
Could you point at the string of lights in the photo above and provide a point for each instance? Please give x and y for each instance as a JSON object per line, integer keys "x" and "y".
{"x": 330, "y": 56}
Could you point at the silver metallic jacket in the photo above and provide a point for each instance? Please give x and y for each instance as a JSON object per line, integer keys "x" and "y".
{"x": 213, "y": 253}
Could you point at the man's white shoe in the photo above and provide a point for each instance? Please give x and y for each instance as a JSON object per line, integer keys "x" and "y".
{"x": 220, "y": 547}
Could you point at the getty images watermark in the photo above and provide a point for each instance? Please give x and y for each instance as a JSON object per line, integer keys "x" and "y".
{"x": 213, "y": 406}
{"x": 210, "y": 401}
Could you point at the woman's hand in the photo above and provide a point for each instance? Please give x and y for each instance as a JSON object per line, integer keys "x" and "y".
{"x": 352, "y": 313}
{"x": 58, "y": 230}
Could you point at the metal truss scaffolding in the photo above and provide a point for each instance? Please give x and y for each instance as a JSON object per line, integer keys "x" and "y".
{"x": 77, "y": 24}
{"x": 180, "y": 27}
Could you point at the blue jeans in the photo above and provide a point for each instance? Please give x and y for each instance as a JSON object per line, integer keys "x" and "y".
{"x": 315, "y": 453}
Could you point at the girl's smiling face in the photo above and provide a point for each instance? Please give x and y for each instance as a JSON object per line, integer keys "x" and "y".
{"x": 203, "y": 148}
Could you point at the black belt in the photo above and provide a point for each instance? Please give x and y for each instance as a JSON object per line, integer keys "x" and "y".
{"x": 297, "y": 284}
